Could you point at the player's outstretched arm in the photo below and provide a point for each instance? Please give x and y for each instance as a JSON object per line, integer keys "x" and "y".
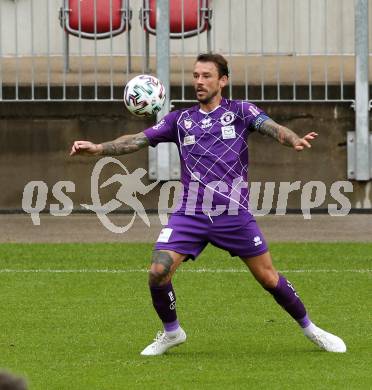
{"x": 286, "y": 136}
{"x": 123, "y": 145}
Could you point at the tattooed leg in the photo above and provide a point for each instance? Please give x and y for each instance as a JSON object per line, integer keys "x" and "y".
{"x": 161, "y": 265}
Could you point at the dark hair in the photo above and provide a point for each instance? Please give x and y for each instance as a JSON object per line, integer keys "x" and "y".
{"x": 218, "y": 60}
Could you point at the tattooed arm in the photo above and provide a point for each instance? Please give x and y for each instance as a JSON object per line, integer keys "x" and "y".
{"x": 286, "y": 136}
{"x": 122, "y": 145}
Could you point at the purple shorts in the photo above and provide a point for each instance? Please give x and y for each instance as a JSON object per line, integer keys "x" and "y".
{"x": 189, "y": 234}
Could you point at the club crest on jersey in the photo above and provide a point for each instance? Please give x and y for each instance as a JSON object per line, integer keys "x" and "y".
{"x": 228, "y": 132}
{"x": 227, "y": 118}
{"x": 189, "y": 140}
{"x": 187, "y": 123}
{"x": 206, "y": 122}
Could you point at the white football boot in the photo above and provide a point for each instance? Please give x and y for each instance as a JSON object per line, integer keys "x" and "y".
{"x": 327, "y": 341}
{"x": 163, "y": 342}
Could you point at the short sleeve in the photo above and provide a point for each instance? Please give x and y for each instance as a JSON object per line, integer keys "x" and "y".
{"x": 254, "y": 116}
{"x": 163, "y": 131}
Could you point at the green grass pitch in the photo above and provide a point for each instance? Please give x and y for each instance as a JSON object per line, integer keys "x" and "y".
{"x": 76, "y": 316}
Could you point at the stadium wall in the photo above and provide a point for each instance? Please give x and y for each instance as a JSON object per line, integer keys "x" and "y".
{"x": 281, "y": 19}
{"x": 36, "y": 138}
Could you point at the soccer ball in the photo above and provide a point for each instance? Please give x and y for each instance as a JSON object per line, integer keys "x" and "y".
{"x": 144, "y": 95}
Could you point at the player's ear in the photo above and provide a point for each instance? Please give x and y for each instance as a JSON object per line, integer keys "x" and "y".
{"x": 223, "y": 81}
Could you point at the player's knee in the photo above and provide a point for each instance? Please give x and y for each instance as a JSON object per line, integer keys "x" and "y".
{"x": 158, "y": 276}
{"x": 269, "y": 280}
{"x": 160, "y": 271}
{"x": 267, "y": 276}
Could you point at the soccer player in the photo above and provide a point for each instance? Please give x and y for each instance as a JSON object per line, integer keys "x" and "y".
{"x": 213, "y": 147}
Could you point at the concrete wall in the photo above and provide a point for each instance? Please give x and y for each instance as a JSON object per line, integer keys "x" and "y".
{"x": 36, "y": 138}
{"x": 286, "y": 26}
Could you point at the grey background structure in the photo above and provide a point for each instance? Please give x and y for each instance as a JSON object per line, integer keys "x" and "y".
{"x": 301, "y": 71}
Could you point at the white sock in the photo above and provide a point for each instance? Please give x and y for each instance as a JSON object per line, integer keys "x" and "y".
{"x": 309, "y": 330}
{"x": 173, "y": 333}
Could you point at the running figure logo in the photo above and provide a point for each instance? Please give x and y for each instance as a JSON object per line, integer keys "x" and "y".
{"x": 130, "y": 185}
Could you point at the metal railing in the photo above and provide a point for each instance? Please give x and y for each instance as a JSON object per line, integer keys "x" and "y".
{"x": 278, "y": 50}
{"x": 293, "y": 50}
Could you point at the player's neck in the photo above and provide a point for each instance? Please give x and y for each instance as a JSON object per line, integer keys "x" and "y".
{"x": 212, "y": 105}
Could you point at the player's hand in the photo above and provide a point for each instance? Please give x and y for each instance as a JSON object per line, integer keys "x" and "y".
{"x": 304, "y": 142}
{"x": 86, "y": 148}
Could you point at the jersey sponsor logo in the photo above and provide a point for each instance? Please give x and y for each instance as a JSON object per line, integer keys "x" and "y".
{"x": 257, "y": 241}
{"x": 228, "y": 132}
{"x": 189, "y": 140}
{"x": 159, "y": 125}
{"x": 206, "y": 122}
{"x": 165, "y": 235}
{"x": 227, "y": 118}
{"x": 187, "y": 123}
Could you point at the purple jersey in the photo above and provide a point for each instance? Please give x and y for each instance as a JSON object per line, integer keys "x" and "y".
{"x": 213, "y": 151}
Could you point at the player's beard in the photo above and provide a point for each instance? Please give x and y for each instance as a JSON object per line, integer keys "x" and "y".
{"x": 208, "y": 98}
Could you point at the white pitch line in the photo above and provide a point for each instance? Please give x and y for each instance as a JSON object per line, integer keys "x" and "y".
{"x": 197, "y": 270}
